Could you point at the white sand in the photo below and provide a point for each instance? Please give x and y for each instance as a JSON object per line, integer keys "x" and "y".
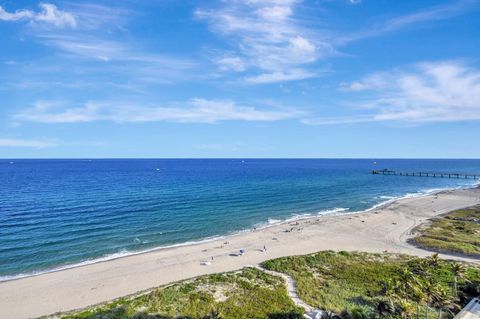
{"x": 384, "y": 228}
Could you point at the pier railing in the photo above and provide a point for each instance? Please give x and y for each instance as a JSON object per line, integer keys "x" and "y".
{"x": 426, "y": 174}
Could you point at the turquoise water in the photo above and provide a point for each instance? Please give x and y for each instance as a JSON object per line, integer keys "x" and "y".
{"x": 59, "y": 213}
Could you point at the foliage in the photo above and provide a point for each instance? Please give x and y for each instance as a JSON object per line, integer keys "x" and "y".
{"x": 361, "y": 285}
{"x": 347, "y": 285}
{"x": 457, "y": 232}
{"x": 249, "y": 293}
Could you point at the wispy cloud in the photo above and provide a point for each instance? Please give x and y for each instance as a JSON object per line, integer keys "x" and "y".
{"x": 95, "y": 52}
{"x": 280, "y": 76}
{"x": 114, "y": 51}
{"x": 230, "y": 63}
{"x": 81, "y": 15}
{"x": 192, "y": 111}
{"x": 12, "y": 142}
{"x": 435, "y": 92}
{"x": 434, "y": 13}
{"x": 93, "y": 48}
{"x": 94, "y": 16}
{"x": 48, "y": 14}
{"x": 267, "y": 39}
{"x": 336, "y": 120}
{"x": 447, "y": 91}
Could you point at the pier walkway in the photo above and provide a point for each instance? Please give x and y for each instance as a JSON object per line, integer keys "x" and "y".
{"x": 427, "y": 174}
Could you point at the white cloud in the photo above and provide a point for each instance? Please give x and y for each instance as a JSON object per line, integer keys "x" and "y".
{"x": 280, "y": 76}
{"x": 14, "y": 16}
{"x": 109, "y": 50}
{"x": 48, "y": 14}
{"x": 94, "y": 16}
{"x": 231, "y": 63}
{"x": 124, "y": 62}
{"x": 192, "y": 111}
{"x": 267, "y": 38}
{"x": 433, "y": 13}
{"x": 76, "y": 54}
{"x": 271, "y": 39}
{"x": 11, "y": 142}
{"x": 275, "y": 12}
{"x": 430, "y": 14}
{"x": 88, "y": 48}
{"x": 370, "y": 82}
{"x": 446, "y": 91}
{"x": 337, "y": 120}
{"x": 302, "y": 49}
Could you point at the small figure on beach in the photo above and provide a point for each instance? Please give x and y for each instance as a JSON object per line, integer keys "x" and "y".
{"x": 264, "y": 248}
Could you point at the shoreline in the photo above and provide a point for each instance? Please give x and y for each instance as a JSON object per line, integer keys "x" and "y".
{"x": 115, "y": 256}
{"x": 329, "y": 212}
{"x": 384, "y": 228}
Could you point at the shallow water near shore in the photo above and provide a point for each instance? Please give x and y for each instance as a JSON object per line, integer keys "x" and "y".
{"x": 59, "y": 213}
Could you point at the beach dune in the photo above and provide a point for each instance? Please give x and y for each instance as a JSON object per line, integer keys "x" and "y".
{"x": 385, "y": 228}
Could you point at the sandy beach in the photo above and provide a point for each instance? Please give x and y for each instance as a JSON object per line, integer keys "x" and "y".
{"x": 386, "y": 228}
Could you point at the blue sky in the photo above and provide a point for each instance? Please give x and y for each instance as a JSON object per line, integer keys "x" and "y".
{"x": 240, "y": 78}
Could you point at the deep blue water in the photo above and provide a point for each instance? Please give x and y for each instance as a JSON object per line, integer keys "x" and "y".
{"x": 55, "y": 213}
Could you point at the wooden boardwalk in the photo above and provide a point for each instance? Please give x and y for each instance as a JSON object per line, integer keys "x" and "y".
{"x": 427, "y": 174}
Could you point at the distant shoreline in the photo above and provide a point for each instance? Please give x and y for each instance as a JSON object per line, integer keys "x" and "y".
{"x": 385, "y": 228}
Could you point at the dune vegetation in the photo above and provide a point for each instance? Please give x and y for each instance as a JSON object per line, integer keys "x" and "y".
{"x": 456, "y": 232}
{"x": 249, "y": 293}
{"x": 361, "y": 285}
{"x": 347, "y": 285}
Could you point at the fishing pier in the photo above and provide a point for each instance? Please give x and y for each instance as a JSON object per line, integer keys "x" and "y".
{"x": 426, "y": 174}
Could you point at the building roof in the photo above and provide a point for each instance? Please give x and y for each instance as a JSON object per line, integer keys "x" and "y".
{"x": 470, "y": 311}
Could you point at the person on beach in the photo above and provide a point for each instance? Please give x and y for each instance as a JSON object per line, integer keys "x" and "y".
{"x": 264, "y": 248}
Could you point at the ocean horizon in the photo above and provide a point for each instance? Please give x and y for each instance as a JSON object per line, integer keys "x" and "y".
{"x": 61, "y": 213}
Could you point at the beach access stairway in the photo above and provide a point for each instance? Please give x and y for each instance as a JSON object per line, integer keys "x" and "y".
{"x": 426, "y": 174}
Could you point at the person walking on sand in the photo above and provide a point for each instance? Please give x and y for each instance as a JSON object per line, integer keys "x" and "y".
{"x": 264, "y": 248}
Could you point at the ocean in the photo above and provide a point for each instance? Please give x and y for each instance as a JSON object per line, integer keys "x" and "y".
{"x": 56, "y": 214}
